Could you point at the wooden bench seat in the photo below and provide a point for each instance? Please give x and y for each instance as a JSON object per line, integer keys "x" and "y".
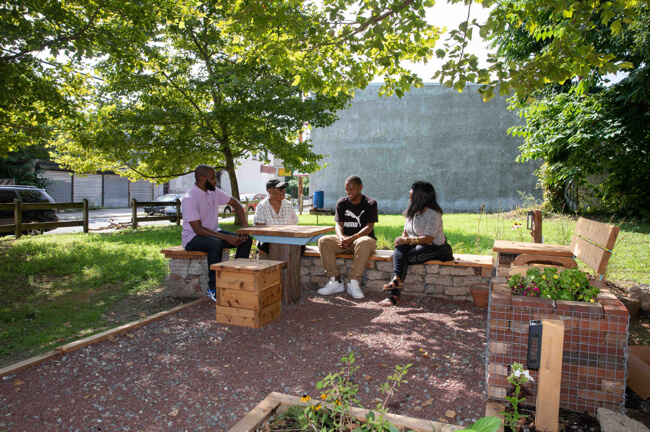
{"x": 592, "y": 243}
{"x": 179, "y": 251}
{"x": 460, "y": 260}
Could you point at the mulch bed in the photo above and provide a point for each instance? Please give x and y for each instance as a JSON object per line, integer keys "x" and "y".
{"x": 186, "y": 372}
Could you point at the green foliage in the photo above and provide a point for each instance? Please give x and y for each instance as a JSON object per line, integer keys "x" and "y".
{"x": 485, "y": 424}
{"x": 22, "y": 166}
{"x": 292, "y": 186}
{"x": 595, "y": 147}
{"x": 517, "y": 378}
{"x": 548, "y": 282}
{"x": 41, "y": 47}
{"x": 200, "y": 104}
{"x": 540, "y": 42}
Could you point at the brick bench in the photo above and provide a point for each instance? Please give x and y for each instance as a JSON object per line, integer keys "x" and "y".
{"x": 188, "y": 272}
{"x": 449, "y": 279}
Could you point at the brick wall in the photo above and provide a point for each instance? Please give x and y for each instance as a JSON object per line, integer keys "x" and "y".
{"x": 594, "y": 361}
{"x": 439, "y": 280}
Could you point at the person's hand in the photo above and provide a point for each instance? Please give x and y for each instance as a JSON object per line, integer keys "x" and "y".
{"x": 400, "y": 241}
{"x": 346, "y": 242}
{"x": 236, "y": 240}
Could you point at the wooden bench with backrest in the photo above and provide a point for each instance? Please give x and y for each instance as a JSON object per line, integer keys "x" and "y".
{"x": 592, "y": 243}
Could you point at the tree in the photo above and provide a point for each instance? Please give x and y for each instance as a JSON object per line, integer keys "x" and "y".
{"x": 178, "y": 99}
{"x": 600, "y": 140}
{"x": 41, "y": 47}
{"x": 22, "y": 166}
{"x": 560, "y": 40}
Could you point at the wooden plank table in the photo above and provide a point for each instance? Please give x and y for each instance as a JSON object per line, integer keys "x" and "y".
{"x": 285, "y": 242}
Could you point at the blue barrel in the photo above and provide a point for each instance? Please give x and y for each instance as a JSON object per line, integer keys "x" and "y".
{"x": 319, "y": 199}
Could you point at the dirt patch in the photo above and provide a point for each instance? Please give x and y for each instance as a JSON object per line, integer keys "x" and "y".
{"x": 139, "y": 306}
{"x": 186, "y": 372}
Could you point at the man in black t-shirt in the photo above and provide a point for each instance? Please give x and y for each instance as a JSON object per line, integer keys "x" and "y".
{"x": 355, "y": 218}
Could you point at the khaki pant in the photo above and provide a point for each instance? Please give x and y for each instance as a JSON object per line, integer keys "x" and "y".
{"x": 361, "y": 248}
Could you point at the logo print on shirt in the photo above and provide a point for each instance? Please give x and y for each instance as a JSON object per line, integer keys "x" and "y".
{"x": 352, "y": 215}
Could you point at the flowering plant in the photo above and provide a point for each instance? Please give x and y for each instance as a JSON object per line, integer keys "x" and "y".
{"x": 517, "y": 378}
{"x": 548, "y": 282}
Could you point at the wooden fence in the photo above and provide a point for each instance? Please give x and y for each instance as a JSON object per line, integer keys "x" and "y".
{"x": 18, "y": 228}
{"x": 18, "y": 207}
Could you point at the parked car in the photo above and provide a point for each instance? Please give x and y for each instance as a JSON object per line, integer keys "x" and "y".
{"x": 160, "y": 209}
{"x": 26, "y": 194}
{"x": 253, "y": 200}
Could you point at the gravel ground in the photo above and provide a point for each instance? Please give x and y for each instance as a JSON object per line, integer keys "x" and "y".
{"x": 185, "y": 372}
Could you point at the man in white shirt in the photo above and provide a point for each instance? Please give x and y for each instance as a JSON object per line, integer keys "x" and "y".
{"x": 200, "y": 209}
{"x": 274, "y": 209}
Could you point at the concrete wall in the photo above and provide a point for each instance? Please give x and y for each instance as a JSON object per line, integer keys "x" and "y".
{"x": 455, "y": 141}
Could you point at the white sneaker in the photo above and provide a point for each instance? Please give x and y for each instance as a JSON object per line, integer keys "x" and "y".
{"x": 332, "y": 287}
{"x": 354, "y": 290}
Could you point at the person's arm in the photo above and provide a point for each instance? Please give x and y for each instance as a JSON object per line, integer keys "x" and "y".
{"x": 200, "y": 230}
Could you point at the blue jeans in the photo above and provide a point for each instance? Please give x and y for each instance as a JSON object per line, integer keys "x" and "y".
{"x": 405, "y": 255}
{"x": 214, "y": 247}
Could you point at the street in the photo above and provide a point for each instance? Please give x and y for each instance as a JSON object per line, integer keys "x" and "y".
{"x": 105, "y": 217}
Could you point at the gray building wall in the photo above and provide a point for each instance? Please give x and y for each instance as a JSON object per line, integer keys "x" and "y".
{"x": 453, "y": 140}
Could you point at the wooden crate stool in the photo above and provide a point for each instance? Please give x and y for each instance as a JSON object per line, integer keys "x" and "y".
{"x": 249, "y": 292}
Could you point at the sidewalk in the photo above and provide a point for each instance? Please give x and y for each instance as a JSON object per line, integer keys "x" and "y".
{"x": 99, "y": 214}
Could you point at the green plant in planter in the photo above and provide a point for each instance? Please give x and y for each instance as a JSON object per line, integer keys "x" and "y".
{"x": 517, "y": 378}
{"x": 339, "y": 393}
{"x": 548, "y": 282}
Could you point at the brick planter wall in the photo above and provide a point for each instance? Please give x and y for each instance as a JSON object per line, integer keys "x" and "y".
{"x": 445, "y": 281}
{"x": 188, "y": 274}
{"x": 594, "y": 361}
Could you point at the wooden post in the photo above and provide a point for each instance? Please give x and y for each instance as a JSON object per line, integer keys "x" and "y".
{"x": 85, "y": 215}
{"x": 537, "y": 226}
{"x": 134, "y": 213}
{"x": 178, "y": 211}
{"x": 290, "y": 274}
{"x": 550, "y": 376}
{"x": 300, "y": 194}
{"x": 18, "y": 218}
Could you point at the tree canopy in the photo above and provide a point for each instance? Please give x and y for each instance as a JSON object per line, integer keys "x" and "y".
{"x": 597, "y": 143}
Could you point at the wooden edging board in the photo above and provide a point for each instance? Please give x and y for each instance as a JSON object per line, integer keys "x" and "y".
{"x": 73, "y": 346}
{"x": 264, "y": 409}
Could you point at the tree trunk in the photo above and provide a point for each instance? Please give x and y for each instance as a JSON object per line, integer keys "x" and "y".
{"x": 234, "y": 186}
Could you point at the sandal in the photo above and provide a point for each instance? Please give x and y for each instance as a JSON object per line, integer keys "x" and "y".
{"x": 391, "y": 285}
{"x": 389, "y": 301}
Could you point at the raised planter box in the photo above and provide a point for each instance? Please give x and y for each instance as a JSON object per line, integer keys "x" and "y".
{"x": 276, "y": 401}
{"x": 594, "y": 362}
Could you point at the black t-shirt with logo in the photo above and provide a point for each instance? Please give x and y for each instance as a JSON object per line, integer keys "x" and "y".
{"x": 356, "y": 216}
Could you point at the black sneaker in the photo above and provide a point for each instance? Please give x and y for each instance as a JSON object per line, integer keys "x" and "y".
{"x": 211, "y": 294}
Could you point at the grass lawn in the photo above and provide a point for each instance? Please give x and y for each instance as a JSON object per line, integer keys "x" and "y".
{"x": 59, "y": 288}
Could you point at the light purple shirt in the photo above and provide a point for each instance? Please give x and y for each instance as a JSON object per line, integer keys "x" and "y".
{"x": 203, "y": 206}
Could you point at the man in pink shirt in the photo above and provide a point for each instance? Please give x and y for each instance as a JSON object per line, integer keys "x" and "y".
{"x": 200, "y": 209}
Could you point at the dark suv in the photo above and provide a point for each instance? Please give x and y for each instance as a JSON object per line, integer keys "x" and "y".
{"x": 26, "y": 194}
